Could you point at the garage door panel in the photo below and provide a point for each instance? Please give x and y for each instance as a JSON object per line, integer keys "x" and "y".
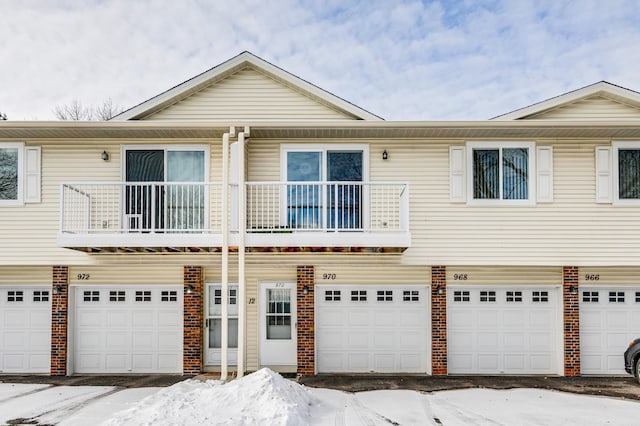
{"x": 40, "y": 340}
{"x": 14, "y": 340}
{"x": 606, "y": 327}
{"x": 128, "y": 331}
{"x": 515, "y": 362}
{"x": 509, "y": 330}
{"x": 385, "y": 330}
{"x": 15, "y": 318}
{"x": 40, "y": 362}
{"x": 487, "y": 318}
{"x": 513, "y": 319}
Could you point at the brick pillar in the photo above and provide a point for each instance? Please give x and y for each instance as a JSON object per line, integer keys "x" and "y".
{"x": 305, "y": 276}
{"x": 439, "y": 321}
{"x": 59, "y": 320}
{"x": 571, "y": 309}
{"x": 193, "y": 341}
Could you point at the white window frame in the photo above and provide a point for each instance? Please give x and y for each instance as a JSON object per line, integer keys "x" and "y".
{"x": 21, "y": 175}
{"x": 531, "y": 198}
{"x": 323, "y": 149}
{"x": 617, "y": 146}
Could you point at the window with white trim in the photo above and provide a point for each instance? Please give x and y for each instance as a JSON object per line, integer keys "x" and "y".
{"x": 616, "y": 296}
{"x": 358, "y": 295}
{"x": 19, "y": 173}
{"x": 538, "y": 296}
{"x": 332, "y": 295}
{"x": 40, "y": 295}
{"x": 461, "y": 296}
{"x": 410, "y": 296}
{"x": 91, "y": 296}
{"x": 143, "y": 296}
{"x": 590, "y": 296}
{"x": 625, "y": 176}
{"x": 385, "y": 296}
{"x": 169, "y": 296}
{"x": 501, "y": 173}
{"x": 514, "y": 296}
{"x": 15, "y": 296}
{"x": 116, "y": 296}
{"x": 487, "y": 296}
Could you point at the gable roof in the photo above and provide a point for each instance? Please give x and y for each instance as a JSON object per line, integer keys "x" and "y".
{"x": 602, "y": 89}
{"x": 233, "y": 65}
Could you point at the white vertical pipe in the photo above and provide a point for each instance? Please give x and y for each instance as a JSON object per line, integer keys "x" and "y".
{"x": 241, "y": 255}
{"x": 225, "y": 256}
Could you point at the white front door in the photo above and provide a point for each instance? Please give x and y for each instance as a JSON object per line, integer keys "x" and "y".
{"x": 213, "y": 325}
{"x": 504, "y": 330}
{"x": 373, "y": 328}
{"x": 278, "y": 337}
{"x": 609, "y": 320}
{"x": 25, "y": 329}
{"x": 128, "y": 329}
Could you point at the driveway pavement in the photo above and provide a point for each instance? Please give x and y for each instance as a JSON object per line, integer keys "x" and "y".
{"x": 621, "y": 387}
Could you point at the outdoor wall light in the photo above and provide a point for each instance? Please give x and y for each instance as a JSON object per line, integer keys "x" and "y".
{"x": 440, "y": 290}
{"x": 57, "y": 289}
{"x": 104, "y": 156}
{"x": 385, "y": 155}
{"x": 573, "y": 289}
{"x": 190, "y": 289}
{"x": 305, "y": 290}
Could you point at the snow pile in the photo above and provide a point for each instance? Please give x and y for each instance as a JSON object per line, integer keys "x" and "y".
{"x": 261, "y": 398}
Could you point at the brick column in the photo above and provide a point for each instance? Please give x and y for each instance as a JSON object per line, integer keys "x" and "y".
{"x": 571, "y": 309}
{"x": 193, "y": 341}
{"x": 305, "y": 276}
{"x": 439, "y": 321}
{"x": 59, "y": 320}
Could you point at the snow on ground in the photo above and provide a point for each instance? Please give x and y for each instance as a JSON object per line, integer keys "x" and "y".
{"x": 265, "y": 398}
{"x": 261, "y": 398}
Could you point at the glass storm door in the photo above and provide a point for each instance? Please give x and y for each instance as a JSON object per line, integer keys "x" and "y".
{"x": 213, "y": 325}
{"x": 278, "y": 324}
{"x": 165, "y": 192}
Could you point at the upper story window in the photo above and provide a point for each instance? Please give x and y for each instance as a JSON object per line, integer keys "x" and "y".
{"x": 626, "y": 172}
{"x": 501, "y": 173}
{"x": 11, "y": 179}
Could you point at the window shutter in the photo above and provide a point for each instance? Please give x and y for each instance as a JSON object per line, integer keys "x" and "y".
{"x": 604, "y": 178}
{"x": 545, "y": 174}
{"x": 32, "y": 174}
{"x": 457, "y": 175}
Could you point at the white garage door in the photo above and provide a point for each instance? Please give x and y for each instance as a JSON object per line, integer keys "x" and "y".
{"x": 498, "y": 330}
{"x": 124, "y": 329}
{"x": 362, "y": 329}
{"x": 609, "y": 320}
{"x": 25, "y": 329}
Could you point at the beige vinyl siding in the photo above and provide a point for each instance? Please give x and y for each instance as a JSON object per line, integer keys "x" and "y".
{"x": 609, "y": 276}
{"x": 596, "y": 108}
{"x": 245, "y": 96}
{"x": 127, "y": 274}
{"x": 21, "y": 275}
{"x": 29, "y": 231}
{"x": 478, "y": 275}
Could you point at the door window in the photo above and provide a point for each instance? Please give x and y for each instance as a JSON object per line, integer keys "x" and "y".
{"x": 278, "y": 314}
{"x": 215, "y": 317}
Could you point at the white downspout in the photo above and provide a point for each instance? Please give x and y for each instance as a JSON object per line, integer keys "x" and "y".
{"x": 225, "y": 257}
{"x": 241, "y": 250}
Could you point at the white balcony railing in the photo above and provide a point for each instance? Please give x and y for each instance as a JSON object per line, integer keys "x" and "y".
{"x": 145, "y": 207}
{"x": 278, "y": 214}
{"x": 327, "y": 206}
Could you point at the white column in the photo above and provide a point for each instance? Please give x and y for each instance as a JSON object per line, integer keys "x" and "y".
{"x": 241, "y": 254}
{"x": 225, "y": 257}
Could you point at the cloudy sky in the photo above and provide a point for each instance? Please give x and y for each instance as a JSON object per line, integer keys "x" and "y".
{"x": 402, "y": 60}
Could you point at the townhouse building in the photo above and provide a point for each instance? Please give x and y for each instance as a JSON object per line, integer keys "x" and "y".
{"x": 247, "y": 218}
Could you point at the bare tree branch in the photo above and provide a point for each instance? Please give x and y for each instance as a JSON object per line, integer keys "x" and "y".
{"x": 76, "y": 111}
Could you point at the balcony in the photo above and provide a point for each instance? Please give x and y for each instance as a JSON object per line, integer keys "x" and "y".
{"x": 280, "y": 216}
{"x": 347, "y": 215}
